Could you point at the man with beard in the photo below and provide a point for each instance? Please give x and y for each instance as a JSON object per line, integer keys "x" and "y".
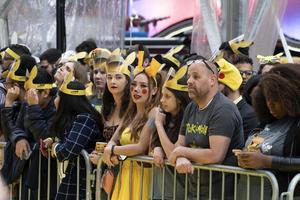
{"x": 211, "y": 128}
{"x": 230, "y": 81}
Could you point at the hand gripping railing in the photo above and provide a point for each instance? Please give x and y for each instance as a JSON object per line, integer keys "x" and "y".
{"x": 235, "y": 171}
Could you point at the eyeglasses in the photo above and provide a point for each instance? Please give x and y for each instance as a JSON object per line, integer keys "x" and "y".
{"x": 247, "y": 72}
{"x": 200, "y": 61}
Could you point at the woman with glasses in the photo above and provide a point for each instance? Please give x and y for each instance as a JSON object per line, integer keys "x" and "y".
{"x": 133, "y": 134}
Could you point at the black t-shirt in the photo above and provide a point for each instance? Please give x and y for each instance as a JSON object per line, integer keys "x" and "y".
{"x": 220, "y": 117}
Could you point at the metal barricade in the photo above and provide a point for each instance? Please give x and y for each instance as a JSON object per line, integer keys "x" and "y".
{"x": 41, "y": 181}
{"x": 289, "y": 195}
{"x": 210, "y": 169}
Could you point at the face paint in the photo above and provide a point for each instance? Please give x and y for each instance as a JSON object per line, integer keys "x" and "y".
{"x": 144, "y": 91}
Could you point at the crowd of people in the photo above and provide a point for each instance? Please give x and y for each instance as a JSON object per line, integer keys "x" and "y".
{"x": 178, "y": 107}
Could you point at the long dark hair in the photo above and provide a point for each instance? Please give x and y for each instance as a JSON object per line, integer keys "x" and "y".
{"x": 172, "y": 124}
{"x": 281, "y": 84}
{"x": 69, "y": 107}
{"x": 109, "y": 101}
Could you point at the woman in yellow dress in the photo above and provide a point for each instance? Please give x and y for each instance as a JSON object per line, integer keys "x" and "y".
{"x": 133, "y": 135}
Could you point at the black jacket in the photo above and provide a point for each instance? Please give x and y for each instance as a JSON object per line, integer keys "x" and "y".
{"x": 287, "y": 166}
{"x": 248, "y": 116}
{"x": 31, "y": 123}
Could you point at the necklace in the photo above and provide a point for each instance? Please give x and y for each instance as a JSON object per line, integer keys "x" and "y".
{"x": 206, "y": 105}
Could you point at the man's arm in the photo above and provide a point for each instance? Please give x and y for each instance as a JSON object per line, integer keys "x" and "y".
{"x": 213, "y": 155}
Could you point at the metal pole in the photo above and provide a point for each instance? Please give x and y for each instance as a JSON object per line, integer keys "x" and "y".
{"x": 60, "y": 25}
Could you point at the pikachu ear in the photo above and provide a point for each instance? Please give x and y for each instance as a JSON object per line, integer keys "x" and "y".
{"x": 154, "y": 67}
{"x": 244, "y": 44}
{"x": 180, "y": 73}
{"x": 174, "y": 50}
{"x": 170, "y": 55}
{"x": 117, "y": 51}
{"x": 173, "y": 83}
{"x": 236, "y": 45}
{"x": 29, "y": 83}
{"x": 127, "y": 62}
{"x": 139, "y": 68}
{"x": 269, "y": 59}
{"x": 130, "y": 58}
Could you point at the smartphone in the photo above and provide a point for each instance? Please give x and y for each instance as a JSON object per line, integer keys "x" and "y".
{"x": 236, "y": 151}
{"x": 100, "y": 146}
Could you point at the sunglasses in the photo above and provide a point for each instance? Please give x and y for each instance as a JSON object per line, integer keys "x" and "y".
{"x": 200, "y": 61}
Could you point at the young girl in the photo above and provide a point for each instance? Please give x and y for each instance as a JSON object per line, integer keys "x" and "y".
{"x": 133, "y": 135}
{"x": 167, "y": 120}
{"x": 78, "y": 126}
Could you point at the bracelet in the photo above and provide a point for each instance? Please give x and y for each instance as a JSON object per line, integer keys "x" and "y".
{"x": 112, "y": 150}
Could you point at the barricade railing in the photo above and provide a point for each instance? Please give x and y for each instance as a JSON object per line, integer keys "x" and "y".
{"x": 289, "y": 195}
{"x": 236, "y": 172}
{"x": 60, "y": 170}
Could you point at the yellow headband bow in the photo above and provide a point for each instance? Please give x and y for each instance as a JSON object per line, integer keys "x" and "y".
{"x": 269, "y": 59}
{"x": 151, "y": 70}
{"x": 240, "y": 44}
{"x": 173, "y": 83}
{"x": 30, "y": 85}
{"x": 170, "y": 55}
{"x": 12, "y": 73}
{"x": 12, "y": 53}
{"x": 68, "y": 91}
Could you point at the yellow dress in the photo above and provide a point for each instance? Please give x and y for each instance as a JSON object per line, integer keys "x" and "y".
{"x": 122, "y": 187}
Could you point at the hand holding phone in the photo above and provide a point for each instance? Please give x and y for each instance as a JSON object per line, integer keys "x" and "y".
{"x": 236, "y": 151}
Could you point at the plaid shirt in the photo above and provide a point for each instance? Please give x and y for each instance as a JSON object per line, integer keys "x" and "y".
{"x": 82, "y": 135}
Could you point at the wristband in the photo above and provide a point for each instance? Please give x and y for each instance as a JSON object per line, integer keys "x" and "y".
{"x": 112, "y": 150}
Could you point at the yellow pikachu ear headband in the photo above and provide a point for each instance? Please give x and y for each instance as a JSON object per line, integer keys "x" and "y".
{"x": 74, "y": 92}
{"x": 154, "y": 67}
{"x": 169, "y": 56}
{"x": 12, "y": 53}
{"x": 40, "y": 86}
{"x": 173, "y": 82}
{"x": 21, "y": 67}
{"x": 116, "y": 63}
{"x": 99, "y": 56}
{"x": 78, "y": 56}
{"x": 237, "y": 47}
{"x": 269, "y": 59}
